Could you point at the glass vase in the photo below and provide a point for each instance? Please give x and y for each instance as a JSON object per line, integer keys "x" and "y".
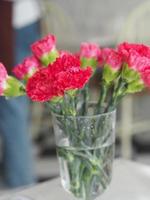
{"x": 85, "y": 149}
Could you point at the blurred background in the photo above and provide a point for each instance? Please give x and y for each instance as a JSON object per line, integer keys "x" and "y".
{"x": 105, "y": 22}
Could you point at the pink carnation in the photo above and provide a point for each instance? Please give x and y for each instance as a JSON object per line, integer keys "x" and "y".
{"x": 27, "y": 68}
{"x": 136, "y": 61}
{"x": 137, "y": 56}
{"x": 141, "y": 49}
{"x": 3, "y": 77}
{"x": 43, "y": 46}
{"x": 145, "y": 75}
{"x": 90, "y": 50}
{"x": 112, "y": 58}
{"x": 106, "y": 52}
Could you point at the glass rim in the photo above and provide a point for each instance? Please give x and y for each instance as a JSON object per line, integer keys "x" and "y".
{"x": 86, "y": 116}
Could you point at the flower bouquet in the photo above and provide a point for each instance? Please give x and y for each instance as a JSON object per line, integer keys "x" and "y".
{"x": 84, "y": 130}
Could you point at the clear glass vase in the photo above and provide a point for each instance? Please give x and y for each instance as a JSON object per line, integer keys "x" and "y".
{"x": 85, "y": 149}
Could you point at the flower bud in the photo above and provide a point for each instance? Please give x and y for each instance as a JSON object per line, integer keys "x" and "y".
{"x": 26, "y": 69}
{"x": 3, "y": 78}
{"x": 9, "y": 86}
{"x": 90, "y": 54}
{"x": 45, "y": 49}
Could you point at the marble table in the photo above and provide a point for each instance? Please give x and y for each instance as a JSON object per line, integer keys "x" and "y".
{"x": 131, "y": 181}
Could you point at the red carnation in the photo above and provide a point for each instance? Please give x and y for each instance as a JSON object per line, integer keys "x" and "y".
{"x": 67, "y": 73}
{"x": 64, "y": 62}
{"x": 27, "y": 68}
{"x": 63, "y": 75}
{"x": 73, "y": 78}
{"x": 40, "y": 86}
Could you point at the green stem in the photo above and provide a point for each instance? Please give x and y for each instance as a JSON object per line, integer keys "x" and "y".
{"x": 85, "y": 99}
{"x": 73, "y": 126}
{"x": 102, "y": 98}
{"x": 118, "y": 93}
{"x": 53, "y": 107}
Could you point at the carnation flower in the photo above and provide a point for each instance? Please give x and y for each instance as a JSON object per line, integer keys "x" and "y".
{"x": 136, "y": 61}
{"x": 145, "y": 75}
{"x": 40, "y": 86}
{"x": 89, "y": 50}
{"x": 27, "y": 68}
{"x": 64, "y": 62}
{"x": 73, "y": 78}
{"x": 112, "y": 58}
{"x": 9, "y": 86}
{"x": 3, "y": 77}
{"x": 68, "y": 74}
{"x": 137, "y": 56}
{"x": 63, "y": 75}
{"x": 43, "y": 46}
{"x": 90, "y": 54}
{"x": 141, "y": 49}
{"x": 45, "y": 49}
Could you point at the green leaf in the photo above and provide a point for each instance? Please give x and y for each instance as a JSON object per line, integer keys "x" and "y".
{"x": 133, "y": 79}
{"x": 71, "y": 93}
{"x": 129, "y": 74}
{"x": 92, "y": 62}
{"x": 14, "y": 88}
{"x": 135, "y": 86}
{"x": 49, "y": 57}
{"x": 56, "y": 100}
{"x": 109, "y": 74}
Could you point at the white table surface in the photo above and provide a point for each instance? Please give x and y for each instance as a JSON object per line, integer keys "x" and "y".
{"x": 131, "y": 181}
